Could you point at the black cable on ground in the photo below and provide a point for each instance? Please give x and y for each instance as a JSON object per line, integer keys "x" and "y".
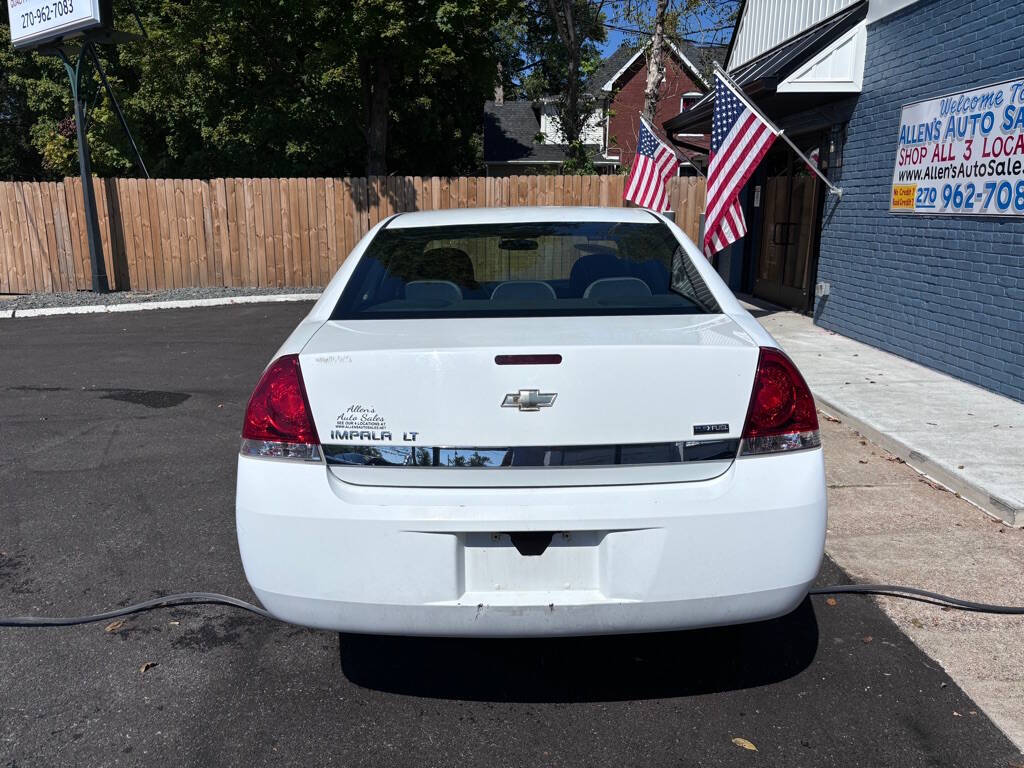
{"x": 212, "y": 598}
{"x": 914, "y": 593}
{"x": 168, "y": 601}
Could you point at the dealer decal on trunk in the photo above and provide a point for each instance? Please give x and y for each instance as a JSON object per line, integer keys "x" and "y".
{"x": 361, "y": 422}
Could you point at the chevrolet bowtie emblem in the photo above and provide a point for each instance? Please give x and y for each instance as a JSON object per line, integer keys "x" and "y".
{"x": 529, "y": 400}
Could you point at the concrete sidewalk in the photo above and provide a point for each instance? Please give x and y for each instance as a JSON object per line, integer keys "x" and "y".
{"x": 962, "y": 436}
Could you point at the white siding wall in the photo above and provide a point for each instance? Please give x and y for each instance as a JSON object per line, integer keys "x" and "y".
{"x": 593, "y": 130}
{"x": 766, "y": 23}
{"x": 839, "y": 68}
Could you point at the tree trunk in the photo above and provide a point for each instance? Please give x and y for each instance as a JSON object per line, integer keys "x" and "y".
{"x": 655, "y": 62}
{"x": 572, "y": 101}
{"x": 377, "y": 118}
{"x": 571, "y": 126}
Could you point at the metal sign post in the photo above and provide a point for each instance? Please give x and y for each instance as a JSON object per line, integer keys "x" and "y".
{"x": 100, "y": 284}
{"x": 47, "y": 26}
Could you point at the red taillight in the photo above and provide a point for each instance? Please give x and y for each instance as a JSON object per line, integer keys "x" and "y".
{"x": 278, "y": 422}
{"x": 781, "y": 415}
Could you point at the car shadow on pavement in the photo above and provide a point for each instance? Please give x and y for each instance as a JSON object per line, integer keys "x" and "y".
{"x": 611, "y": 668}
{"x": 759, "y": 307}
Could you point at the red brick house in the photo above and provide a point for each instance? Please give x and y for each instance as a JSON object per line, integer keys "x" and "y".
{"x": 622, "y": 78}
{"x": 520, "y": 136}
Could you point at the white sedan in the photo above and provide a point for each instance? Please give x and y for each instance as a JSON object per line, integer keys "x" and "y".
{"x": 529, "y": 421}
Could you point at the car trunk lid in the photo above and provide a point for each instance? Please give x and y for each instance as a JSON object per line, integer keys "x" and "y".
{"x": 623, "y": 391}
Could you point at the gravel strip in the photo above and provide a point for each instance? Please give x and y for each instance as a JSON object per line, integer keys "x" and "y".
{"x": 87, "y": 298}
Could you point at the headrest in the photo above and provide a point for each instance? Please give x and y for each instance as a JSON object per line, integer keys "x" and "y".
{"x": 432, "y": 291}
{"x": 523, "y": 289}
{"x": 448, "y": 264}
{"x": 591, "y": 266}
{"x": 617, "y": 288}
{"x": 452, "y": 264}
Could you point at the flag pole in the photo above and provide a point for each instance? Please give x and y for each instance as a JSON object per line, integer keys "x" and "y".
{"x": 738, "y": 93}
{"x": 647, "y": 122}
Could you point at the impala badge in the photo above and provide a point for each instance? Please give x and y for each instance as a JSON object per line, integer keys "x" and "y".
{"x": 529, "y": 400}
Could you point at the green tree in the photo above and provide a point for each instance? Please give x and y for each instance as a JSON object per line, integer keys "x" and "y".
{"x": 281, "y": 87}
{"x": 418, "y": 65}
{"x": 37, "y": 129}
{"x": 231, "y": 88}
{"x": 18, "y": 158}
{"x": 563, "y": 36}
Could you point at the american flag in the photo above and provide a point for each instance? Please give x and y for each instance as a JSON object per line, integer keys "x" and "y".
{"x": 740, "y": 137}
{"x": 654, "y": 165}
{"x": 815, "y": 158}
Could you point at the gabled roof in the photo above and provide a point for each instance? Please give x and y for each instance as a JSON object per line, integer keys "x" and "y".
{"x": 609, "y": 66}
{"x": 619, "y": 62}
{"x": 509, "y": 132}
{"x": 706, "y": 54}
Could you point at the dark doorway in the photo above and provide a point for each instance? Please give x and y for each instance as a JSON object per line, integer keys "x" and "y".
{"x": 787, "y": 260}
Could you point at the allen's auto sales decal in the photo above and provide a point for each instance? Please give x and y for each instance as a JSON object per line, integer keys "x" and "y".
{"x": 362, "y": 422}
{"x": 962, "y": 153}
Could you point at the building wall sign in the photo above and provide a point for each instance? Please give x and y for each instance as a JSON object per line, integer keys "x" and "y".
{"x": 34, "y": 22}
{"x": 962, "y": 154}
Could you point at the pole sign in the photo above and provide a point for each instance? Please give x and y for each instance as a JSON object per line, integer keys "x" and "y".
{"x": 36, "y": 22}
{"x": 962, "y": 154}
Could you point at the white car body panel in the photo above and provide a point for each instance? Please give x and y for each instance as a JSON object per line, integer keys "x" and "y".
{"x": 443, "y": 383}
{"x": 425, "y": 550}
{"x": 741, "y": 547}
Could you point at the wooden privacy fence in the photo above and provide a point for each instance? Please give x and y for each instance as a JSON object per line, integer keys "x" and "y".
{"x": 176, "y": 233}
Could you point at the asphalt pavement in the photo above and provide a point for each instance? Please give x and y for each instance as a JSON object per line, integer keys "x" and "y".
{"x": 118, "y": 436}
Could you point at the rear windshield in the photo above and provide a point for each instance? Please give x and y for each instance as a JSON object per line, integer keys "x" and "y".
{"x": 524, "y": 270}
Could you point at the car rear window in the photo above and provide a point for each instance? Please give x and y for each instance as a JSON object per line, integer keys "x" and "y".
{"x": 524, "y": 270}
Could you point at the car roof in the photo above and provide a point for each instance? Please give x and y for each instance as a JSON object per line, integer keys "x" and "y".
{"x": 546, "y": 213}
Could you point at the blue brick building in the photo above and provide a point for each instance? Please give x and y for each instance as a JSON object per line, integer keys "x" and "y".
{"x": 939, "y": 281}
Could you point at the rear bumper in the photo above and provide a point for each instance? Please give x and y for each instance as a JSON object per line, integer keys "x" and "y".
{"x": 432, "y": 561}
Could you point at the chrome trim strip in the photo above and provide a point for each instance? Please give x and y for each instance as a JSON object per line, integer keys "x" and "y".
{"x": 553, "y": 457}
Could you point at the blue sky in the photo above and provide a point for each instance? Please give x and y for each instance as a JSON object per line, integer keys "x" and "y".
{"x": 614, "y": 39}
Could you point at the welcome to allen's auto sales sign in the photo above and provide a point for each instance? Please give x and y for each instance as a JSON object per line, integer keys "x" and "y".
{"x": 962, "y": 154}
